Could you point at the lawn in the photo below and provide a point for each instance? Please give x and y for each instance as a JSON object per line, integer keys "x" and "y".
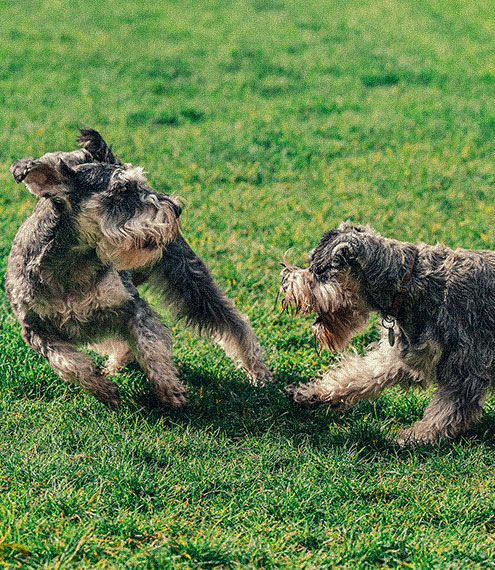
{"x": 273, "y": 120}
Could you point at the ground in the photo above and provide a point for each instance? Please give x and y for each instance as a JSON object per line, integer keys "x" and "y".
{"x": 274, "y": 120}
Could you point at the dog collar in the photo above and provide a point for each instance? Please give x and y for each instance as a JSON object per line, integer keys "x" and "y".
{"x": 389, "y": 321}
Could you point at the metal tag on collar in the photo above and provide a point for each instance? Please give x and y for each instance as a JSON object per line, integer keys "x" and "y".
{"x": 389, "y": 323}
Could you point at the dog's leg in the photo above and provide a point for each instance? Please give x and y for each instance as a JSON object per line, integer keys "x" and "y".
{"x": 152, "y": 344}
{"x": 73, "y": 366}
{"x": 185, "y": 283}
{"x": 240, "y": 343}
{"x": 454, "y": 406}
{"x": 355, "y": 378}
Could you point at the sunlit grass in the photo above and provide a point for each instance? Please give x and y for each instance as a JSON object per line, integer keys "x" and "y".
{"x": 274, "y": 121}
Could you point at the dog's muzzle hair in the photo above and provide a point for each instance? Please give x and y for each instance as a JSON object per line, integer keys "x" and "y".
{"x": 341, "y": 312}
{"x": 137, "y": 239}
{"x": 140, "y": 240}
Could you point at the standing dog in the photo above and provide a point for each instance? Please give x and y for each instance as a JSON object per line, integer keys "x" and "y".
{"x": 97, "y": 231}
{"x": 438, "y": 305}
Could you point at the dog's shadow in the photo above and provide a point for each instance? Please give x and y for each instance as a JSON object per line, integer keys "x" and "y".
{"x": 225, "y": 401}
{"x": 237, "y": 410}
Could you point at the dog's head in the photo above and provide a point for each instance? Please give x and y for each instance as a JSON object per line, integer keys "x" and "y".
{"x": 340, "y": 310}
{"x": 330, "y": 287}
{"x": 111, "y": 206}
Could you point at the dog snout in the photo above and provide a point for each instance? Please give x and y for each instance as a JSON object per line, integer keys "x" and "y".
{"x": 177, "y": 208}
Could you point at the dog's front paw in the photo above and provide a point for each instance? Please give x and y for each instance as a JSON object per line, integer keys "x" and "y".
{"x": 261, "y": 375}
{"x": 289, "y": 391}
{"x": 106, "y": 392}
{"x": 303, "y": 398}
{"x": 175, "y": 397}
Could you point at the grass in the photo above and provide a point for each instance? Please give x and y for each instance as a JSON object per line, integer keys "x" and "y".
{"x": 274, "y": 120}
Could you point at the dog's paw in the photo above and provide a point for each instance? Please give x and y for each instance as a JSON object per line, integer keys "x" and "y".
{"x": 414, "y": 436}
{"x": 175, "y": 397}
{"x": 302, "y": 398}
{"x": 289, "y": 391}
{"x": 261, "y": 375}
{"x": 107, "y": 392}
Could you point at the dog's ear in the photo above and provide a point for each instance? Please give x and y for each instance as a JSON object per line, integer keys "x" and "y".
{"x": 44, "y": 179}
{"x": 348, "y": 227}
{"x": 95, "y": 144}
{"x": 342, "y": 254}
{"x": 335, "y": 251}
{"x": 21, "y": 168}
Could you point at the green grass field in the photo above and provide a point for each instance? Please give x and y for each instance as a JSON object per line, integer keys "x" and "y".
{"x": 274, "y": 120}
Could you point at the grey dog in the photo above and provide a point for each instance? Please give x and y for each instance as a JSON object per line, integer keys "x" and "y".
{"x": 438, "y": 305}
{"x": 97, "y": 232}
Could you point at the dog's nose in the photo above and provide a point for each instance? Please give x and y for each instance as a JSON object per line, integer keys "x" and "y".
{"x": 177, "y": 209}
{"x": 172, "y": 203}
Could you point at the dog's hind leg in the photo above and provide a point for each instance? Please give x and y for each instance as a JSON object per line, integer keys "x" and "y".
{"x": 355, "y": 378}
{"x": 184, "y": 282}
{"x": 457, "y": 402}
{"x": 151, "y": 342}
{"x": 72, "y": 365}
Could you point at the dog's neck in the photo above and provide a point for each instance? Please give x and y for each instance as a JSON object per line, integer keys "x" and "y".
{"x": 386, "y": 275}
{"x": 403, "y": 289}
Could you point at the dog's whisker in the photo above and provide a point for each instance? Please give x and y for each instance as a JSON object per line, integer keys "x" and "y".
{"x": 317, "y": 347}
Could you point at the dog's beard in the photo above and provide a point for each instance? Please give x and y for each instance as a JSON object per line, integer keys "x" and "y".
{"x": 128, "y": 257}
{"x": 341, "y": 312}
{"x": 138, "y": 242}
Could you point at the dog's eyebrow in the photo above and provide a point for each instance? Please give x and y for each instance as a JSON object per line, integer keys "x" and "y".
{"x": 129, "y": 173}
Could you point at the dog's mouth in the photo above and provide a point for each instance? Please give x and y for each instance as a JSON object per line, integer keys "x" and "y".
{"x": 335, "y": 330}
{"x": 131, "y": 246}
{"x": 132, "y": 253}
{"x": 149, "y": 244}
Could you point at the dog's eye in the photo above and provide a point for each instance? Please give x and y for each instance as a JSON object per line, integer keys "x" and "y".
{"x": 120, "y": 189}
{"x": 125, "y": 187}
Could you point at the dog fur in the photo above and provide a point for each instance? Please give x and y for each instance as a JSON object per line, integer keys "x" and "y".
{"x": 97, "y": 232}
{"x": 444, "y": 329}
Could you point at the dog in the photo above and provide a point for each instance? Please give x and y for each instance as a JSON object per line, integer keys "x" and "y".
{"x": 438, "y": 312}
{"x": 97, "y": 232}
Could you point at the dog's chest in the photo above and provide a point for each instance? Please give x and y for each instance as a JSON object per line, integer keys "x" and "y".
{"x": 83, "y": 304}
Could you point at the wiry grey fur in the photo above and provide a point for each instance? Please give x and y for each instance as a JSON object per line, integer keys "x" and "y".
{"x": 97, "y": 231}
{"x": 445, "y": 329}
